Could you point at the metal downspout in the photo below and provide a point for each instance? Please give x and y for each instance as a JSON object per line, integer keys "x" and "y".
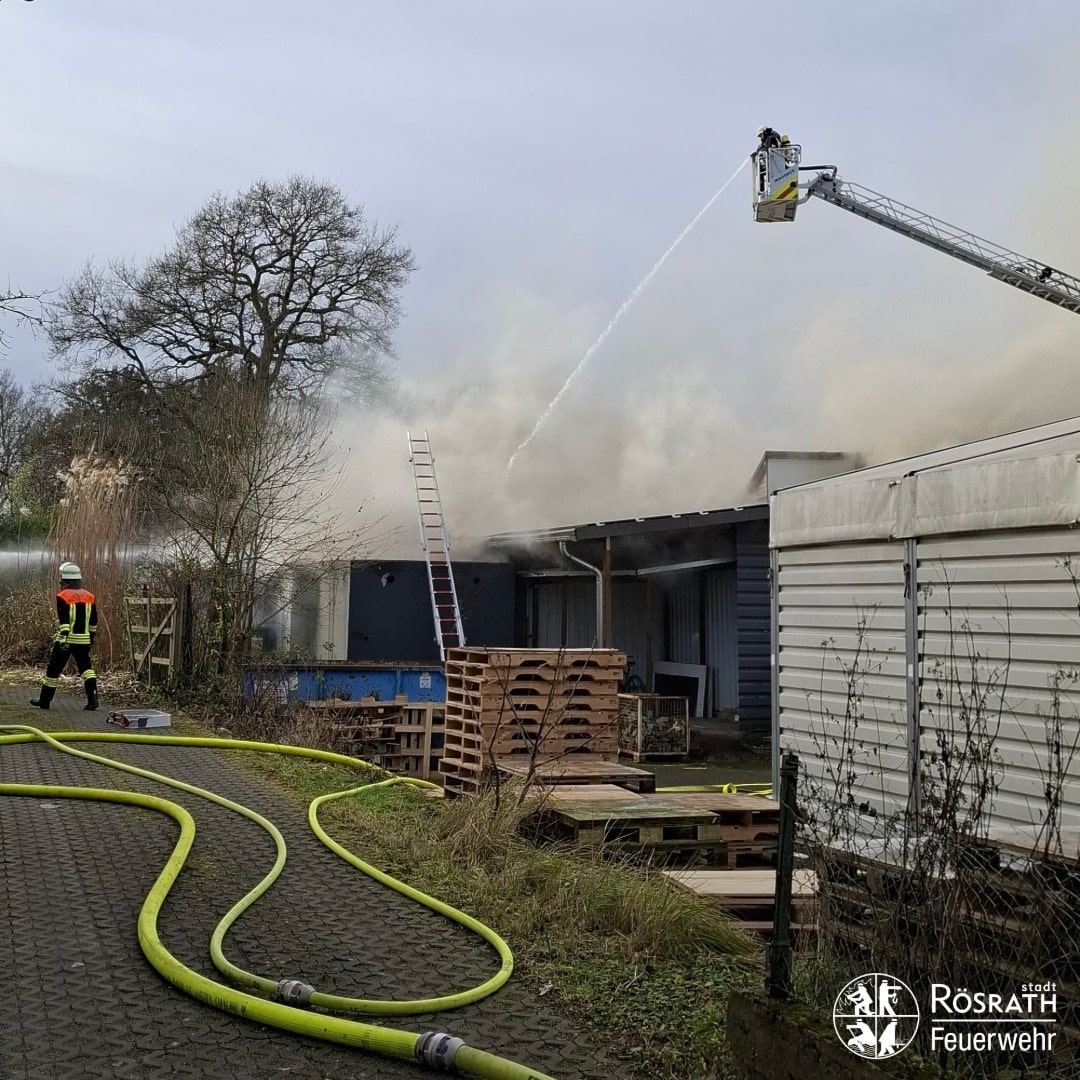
{"x": 599, "y": 588}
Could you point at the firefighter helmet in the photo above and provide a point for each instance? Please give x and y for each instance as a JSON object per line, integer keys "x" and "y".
{"x": 70, "y": 572}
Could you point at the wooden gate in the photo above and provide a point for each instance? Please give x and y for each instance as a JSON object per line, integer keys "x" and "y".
{"x": 153, "y": 637}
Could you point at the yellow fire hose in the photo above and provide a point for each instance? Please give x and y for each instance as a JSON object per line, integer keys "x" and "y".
{"x": 437, "y": 1049}
{"x": 763, "y": 790}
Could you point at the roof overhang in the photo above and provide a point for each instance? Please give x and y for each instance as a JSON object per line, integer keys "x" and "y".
{"x": 600, "y": 530}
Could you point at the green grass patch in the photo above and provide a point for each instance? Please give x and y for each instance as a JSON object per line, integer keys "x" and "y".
{"x": 303, "y": 778}
{"x": 669, "y": 1016}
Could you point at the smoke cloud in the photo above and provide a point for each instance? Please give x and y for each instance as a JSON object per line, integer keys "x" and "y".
{"x": 679, "y": 405}
{"x": 661, "y": 440}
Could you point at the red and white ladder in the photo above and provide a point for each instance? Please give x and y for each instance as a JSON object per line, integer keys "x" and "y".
{"x": 449, "y": 632}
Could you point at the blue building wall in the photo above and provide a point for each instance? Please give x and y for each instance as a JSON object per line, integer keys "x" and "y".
{"x": 753, "y": 614}
{"x": 390, "y": 616}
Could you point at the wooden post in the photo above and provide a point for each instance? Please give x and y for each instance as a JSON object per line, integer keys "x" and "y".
{"x": 425, "y": 741}
{"x": 149, "y": 641}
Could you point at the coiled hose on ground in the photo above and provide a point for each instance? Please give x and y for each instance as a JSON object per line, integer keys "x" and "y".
{"x": 436, "y": 1049}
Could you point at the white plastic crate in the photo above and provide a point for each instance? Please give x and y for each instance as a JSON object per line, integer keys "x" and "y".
{"x": 139, "y": 719}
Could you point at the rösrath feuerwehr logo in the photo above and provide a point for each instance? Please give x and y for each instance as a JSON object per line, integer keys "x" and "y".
{"x": 876, "y": 1016}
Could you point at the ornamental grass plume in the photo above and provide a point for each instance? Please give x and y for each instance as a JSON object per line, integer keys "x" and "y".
{"x": 94, "y": 529}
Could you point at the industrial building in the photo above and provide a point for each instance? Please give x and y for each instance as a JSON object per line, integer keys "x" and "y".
{"x": 930, "y": 603}
{"x": 685, "y": 596}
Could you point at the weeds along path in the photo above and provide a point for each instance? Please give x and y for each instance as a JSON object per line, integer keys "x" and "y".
{"x": 84, "y": 1002}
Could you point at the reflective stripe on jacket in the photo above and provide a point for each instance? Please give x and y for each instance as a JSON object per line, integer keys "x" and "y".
{"x": 76, "y": 611}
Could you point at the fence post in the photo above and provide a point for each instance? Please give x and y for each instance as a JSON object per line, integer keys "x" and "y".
{"x": 778, "y": 968}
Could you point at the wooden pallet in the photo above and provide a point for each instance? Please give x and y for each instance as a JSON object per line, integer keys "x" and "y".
{"x": 583, "y": 769}
{"x": 459, "y": 778}
{"x": 633, "y": 826}
{"x": 657, "y": 823}
{"x": 488, "y": 678}
{"x": 749, "y": 811}
{"x": 537, "y": 658}
{"x": 745, "y": 855}
{"x": 465, "y": 776}
{"x": 750, "y": 895}
{"x": 573, "y": 794}
{"x": 552, "y": 743}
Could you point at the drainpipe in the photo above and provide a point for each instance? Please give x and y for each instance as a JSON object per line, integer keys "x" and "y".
{"x": 599, "y": 589}
{"x": 605, "y": 566}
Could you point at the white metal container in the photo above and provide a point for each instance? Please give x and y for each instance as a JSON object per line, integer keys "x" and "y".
{"x": 139, "y": 719}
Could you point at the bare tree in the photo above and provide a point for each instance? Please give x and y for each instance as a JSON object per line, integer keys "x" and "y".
{"x": 244, "y": 493}
{"x": 204, "y": 366}
{"x": 21, "y": 413}
{"x": 284, "y": 285}
{"x": 21, "y": 306}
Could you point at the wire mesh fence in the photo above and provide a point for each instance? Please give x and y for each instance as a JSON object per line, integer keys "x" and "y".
{"x": 978, "y": 930}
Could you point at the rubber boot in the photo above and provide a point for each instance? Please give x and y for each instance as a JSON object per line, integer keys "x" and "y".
{"x": 91, "y": 695}
{"x": 43, "y": 698}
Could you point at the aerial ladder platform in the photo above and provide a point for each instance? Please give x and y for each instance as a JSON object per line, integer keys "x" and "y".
{"x": 778, "y": 192}
{"x": 449, "y": 632}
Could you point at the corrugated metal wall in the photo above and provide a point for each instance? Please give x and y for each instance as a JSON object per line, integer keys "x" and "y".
{"x": 754, "y": 618}
{"x": 841, "y": 656}
{"x": 629, "y": 628}
{"x": 999, "y": 653}
{"x": 564, "y": 613}
{"x": 721, "y": 640}
{"x": 682, "y": 618}
{"x": 692, "y": 617}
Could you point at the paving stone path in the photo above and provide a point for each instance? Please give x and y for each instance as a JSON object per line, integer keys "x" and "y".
{"x": 79, "y": 1000}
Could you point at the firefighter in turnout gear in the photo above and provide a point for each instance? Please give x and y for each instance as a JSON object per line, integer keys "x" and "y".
{"x": 77, "y": 613}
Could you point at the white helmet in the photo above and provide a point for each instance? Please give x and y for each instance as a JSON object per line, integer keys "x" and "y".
{"x": 70, "y": 572}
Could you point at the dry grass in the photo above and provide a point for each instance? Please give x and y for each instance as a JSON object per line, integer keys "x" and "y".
{"x": 94, "y": 529}
{"x": 265, "y": 717}
{"x": 116, "y": 685}
{"x": 27, "y": 623}
{"x": 481, "y": 853}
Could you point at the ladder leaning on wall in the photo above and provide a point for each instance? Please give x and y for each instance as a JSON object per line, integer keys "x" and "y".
{"x": 449, "y": 632}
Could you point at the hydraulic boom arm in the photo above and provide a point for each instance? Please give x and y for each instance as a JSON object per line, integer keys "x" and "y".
{"x": 776, "y": 195}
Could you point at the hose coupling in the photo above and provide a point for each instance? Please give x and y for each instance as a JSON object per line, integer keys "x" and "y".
{"x": 293, "y": 992}
{"x": 438, "y": 1049}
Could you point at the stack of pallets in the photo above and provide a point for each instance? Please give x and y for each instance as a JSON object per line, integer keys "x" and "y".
{"x": 401, "y": 736}
{"x": 528, "y": 705}
{"x": 725, "y": 844}
{"x": 418, "y": 747}
{"x": 995, "y": 913}
{"x": 367, "y": 724}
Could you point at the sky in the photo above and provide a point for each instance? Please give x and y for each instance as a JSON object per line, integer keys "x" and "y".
{"x": 539, "y": 159}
